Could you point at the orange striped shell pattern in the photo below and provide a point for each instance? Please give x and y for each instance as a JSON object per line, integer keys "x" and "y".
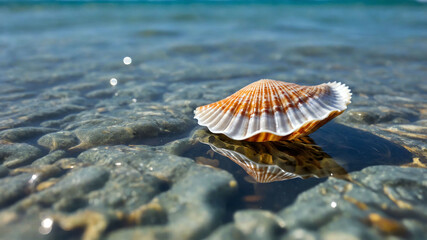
{"x": 269, "y": 110}
{"x": 262, "y": 173}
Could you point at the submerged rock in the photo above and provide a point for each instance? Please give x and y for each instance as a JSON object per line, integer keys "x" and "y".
{"x": 18, "y": 154}
{"x": 152, "y": 192}
{"x": 13, "y": 188}
{"x": 3, "y": 171}
{"x": 378, "y": 202}
{"x": 24, "y": 133}
{"x": 58, "y": 140}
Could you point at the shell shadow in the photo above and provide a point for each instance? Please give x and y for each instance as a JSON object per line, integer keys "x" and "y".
{"x": 274, "y": 161}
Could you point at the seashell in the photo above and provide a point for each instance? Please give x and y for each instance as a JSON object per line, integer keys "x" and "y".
{"x": 269, "y": 110}
{"x": 275, "y": 161}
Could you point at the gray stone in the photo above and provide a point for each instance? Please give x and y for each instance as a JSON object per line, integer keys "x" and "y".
{"x": 49, "y": 158}
{"x": 18, "y": 154}
{"x": 58, "y": 140}
{"x": 103, "y": 136}
{"x": 258, "y": 224}
{"x": 77, "y": 182}
{"x": 13, "y": 188}
{"x": 3, "y": 171}
{"x": 66, "y": 193}
{"x": 195, "y": 214}
{"x": 58, "y": 111}
{"x": 24, "y": 133}
{"x": 371, "y": 115}
{"x": 227, "y": 232}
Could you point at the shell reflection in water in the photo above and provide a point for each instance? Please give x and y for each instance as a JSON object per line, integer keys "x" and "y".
{"x": 275, "y": 161}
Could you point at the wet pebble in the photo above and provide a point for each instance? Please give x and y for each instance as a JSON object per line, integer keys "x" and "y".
{"x": 13, "y": 188}
{"x": 53, "y": 112}
{"x": 258, "y": 224}
{"x": 59, "y": 140}
{"x": 82, "y": 180}
{"x": 18, "y": 154}
{"x": 3, "y": 171}
{"x": 103, "y": 136}
{"x": 373, "y": 115}
{"x": 50, "y": 158}
{"x": 24, "y": 133}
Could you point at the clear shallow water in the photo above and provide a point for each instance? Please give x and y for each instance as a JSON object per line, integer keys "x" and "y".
{"x": 57, "y": 62}
{"x": 343, "y": 149}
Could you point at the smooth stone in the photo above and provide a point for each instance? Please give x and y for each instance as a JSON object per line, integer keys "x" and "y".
{"x": 3, "y": 171}
{"x": 373, "y": 115}
{"x": 74, "y": 185}
{"x": 197, "y": 214}
{"x": 18, "y": 154}
{"x": 13, "y": 188}
{"x": 80, "y": 181}
{"x": 178, "y": 147}
{"x": 227, "y": 232}
{"x": 50, "y": 158}
{"x": 406, "y": 187}
{"x": 91, "y": 137}
{"x": 58, "y": 140}
{"x": 57, "y": 111}
{"x": 140, "y": 158}
{"x": 258, "y": 224}
{"x": 24, "y": 133}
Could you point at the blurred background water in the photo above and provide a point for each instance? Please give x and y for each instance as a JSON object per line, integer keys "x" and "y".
{"x": 85, "y": 136}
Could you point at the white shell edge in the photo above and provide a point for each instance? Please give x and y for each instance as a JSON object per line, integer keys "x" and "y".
{"x": 342, "y": 96}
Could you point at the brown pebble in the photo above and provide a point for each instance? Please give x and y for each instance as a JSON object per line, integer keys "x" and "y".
{"x": 386, "y": 225}
{"x": 207, "y": 161}
{"x": 47, "y": 184}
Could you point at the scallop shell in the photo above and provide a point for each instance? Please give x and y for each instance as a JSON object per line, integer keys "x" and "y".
{"x": 269, "y": 110}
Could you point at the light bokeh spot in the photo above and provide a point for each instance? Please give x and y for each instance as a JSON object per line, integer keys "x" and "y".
{"x": 127, "y": 60}
{"x": 113, "y": 82}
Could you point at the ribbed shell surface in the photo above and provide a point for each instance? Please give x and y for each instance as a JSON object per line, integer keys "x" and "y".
{"x": 269, "y": 110}
{"x": 262, "y": 173}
